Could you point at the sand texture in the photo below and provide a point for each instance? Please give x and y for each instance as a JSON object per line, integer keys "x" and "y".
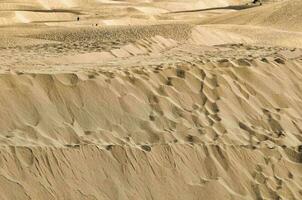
{"x": 155, "y": 100}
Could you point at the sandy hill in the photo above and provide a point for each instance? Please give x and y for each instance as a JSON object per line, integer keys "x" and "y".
{"x": 125, "y": 12}
{"x": 149, "y": 103}
{"x": 285, "y": 15}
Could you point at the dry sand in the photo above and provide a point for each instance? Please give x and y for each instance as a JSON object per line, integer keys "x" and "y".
{"x": 150, "y": 100}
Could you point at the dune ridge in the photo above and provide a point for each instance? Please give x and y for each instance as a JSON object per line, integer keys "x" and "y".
{"x": 285, "y": 15}
{"x": 201, "y": 104}
{"x": 182, "y": 108}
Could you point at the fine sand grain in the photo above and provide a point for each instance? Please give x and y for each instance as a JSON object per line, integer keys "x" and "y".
{"x": 130, "y": 100}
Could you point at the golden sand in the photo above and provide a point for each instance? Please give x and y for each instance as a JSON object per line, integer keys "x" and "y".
{"x": 130, "y": 100}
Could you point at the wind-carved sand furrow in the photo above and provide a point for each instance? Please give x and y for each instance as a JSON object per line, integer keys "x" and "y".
{"x": 167, "y": 108}
{"x": 223, "y": 157}
{"x": 150, "y": 103}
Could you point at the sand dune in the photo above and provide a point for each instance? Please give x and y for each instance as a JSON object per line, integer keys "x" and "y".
{"x": 224, "y": 112}
{"x": 284, "y": 15}
{"x": 226, "y": 34}
{"x": 149, "y": 103}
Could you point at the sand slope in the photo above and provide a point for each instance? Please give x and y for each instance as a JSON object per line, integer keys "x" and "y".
{"x": 63, "y": 12}
{"x": 285, "y": 15}
{"x": 192, "y": 105}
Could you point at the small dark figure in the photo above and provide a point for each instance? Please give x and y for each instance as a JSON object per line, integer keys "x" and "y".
{"x": 78, "y": 19}
{"x": 257, "y": 1}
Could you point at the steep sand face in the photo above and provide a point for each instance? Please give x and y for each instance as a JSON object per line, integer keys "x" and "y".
{"x": 192, "y": 105}
{"x": 149, "y": 131}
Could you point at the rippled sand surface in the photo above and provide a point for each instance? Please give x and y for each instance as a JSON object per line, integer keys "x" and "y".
{"x": 126, "y": 100}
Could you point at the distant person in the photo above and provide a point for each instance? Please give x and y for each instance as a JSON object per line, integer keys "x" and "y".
{"x": 78, "y": 18}
{"x": 257, "y": 1}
